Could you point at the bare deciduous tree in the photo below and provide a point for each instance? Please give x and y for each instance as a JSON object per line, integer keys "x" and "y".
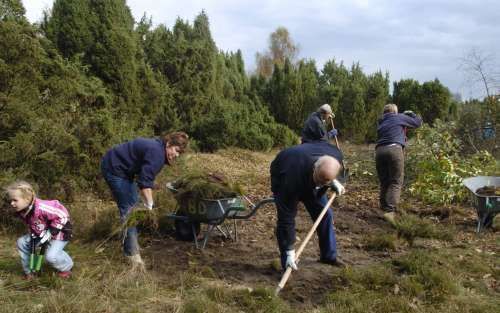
{"x": 281, "y": 48}
{"x": 479, "y": 68}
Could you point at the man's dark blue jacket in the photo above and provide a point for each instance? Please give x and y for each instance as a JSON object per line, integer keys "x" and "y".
{"x": 292, "y": 169}
{"x": 142, "y": 158}
{"x": 314, "y": 129}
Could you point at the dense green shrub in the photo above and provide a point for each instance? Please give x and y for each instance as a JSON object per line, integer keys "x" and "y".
{"x": 232, "y": 124}
{"x": 56, "y": 121}
{"x": 62, "y": 105}
{"x": 436, "y": 168}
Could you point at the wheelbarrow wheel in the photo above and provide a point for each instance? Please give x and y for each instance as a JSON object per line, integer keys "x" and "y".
{"x": 184, "y": 230}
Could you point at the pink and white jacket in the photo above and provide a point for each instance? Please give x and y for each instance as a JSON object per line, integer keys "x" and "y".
{"x": 47, "y": 214}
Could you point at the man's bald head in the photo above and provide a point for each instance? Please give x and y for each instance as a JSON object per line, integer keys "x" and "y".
{"x": 326, "y": 168}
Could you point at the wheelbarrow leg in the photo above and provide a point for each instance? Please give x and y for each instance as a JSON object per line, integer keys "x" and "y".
{"x": 228, "y": 231}
{"x": 224, "y": 233}
{"x": 194, "y": 236}
{"x": 207, "y": 235}
{"x": 481, "y": 220}
{"x": 235, "y": 230}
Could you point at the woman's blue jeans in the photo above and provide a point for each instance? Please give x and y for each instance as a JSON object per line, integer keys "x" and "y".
{"x": 125, "y": 192}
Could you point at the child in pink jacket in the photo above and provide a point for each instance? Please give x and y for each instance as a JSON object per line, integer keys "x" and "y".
{"x": 48, "y": 223}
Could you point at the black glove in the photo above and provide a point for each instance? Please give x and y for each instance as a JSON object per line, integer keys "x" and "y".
{"x": 44, "y": 237}
{"x": 409, "y": 113}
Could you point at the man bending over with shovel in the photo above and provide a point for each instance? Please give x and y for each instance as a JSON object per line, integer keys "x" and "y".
{"x": 304, "y": 173}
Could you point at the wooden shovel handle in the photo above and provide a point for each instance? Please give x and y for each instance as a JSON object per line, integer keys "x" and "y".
{"x": 288, "y": 271}
{"x": 336, "y": 140}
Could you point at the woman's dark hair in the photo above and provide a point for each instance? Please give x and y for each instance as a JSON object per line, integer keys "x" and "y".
{"x": 179, "y": 139}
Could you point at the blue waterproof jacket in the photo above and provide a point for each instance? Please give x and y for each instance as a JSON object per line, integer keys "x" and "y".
{"x": 140, "y": 158}
{"x": 314, "y": 129}
{"x": 292, "y": 169}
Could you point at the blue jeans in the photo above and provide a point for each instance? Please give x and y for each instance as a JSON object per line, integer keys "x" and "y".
{"x": 125, "y": 192}
{"x": 54, "y": 255}
{"x": 285, "y": 231}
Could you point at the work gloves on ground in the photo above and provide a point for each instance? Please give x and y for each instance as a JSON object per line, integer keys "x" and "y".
{"x": 290, "y": 259}
{"x": 333, "y": 133}
{"x": 337, "y": 187}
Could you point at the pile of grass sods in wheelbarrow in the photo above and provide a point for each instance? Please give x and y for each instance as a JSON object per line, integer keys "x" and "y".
{"x": 208, "y": 198}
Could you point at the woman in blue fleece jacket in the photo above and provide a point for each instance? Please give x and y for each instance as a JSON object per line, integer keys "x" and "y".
{"x": 130, "y": 168}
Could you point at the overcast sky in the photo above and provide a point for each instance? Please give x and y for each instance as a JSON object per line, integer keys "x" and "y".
{"x": 419, "y": 39}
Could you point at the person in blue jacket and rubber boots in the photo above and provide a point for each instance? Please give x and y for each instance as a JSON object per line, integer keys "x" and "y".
{"x": 304, "y": 173}
{"x": 130, "y": 169}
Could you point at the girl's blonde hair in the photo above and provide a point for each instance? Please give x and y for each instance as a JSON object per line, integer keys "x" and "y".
{"x": 26, "y": 189}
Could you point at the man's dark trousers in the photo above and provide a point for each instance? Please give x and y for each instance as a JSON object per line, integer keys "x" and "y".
{"x": 389, "y": 160}
{"x": 287, "y": 210}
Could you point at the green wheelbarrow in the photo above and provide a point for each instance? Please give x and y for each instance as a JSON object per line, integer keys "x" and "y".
{"x": 213, "y": 213}
{"x": 487, "y": 204}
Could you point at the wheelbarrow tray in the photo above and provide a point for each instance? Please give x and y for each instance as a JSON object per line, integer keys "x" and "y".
{"x": 486, "y": 206}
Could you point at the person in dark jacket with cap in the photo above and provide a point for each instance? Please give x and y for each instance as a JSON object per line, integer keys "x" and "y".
{"x": 389, "y": 156}
{"x": 315, "y": 126}
{"x": 131, "y": 167}
{"x": 304, "y": 173}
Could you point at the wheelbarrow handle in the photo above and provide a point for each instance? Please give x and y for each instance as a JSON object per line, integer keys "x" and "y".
{"x": 253, "y": 211}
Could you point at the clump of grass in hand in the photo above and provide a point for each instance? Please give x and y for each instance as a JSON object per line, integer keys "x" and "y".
{"x": 144, "y": 217}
